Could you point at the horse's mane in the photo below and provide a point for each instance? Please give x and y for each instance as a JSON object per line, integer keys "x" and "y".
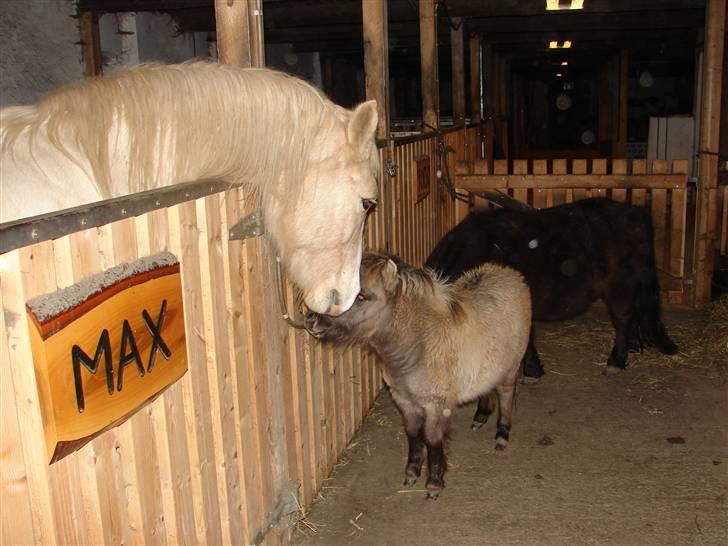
{"x": 240, "y": 125}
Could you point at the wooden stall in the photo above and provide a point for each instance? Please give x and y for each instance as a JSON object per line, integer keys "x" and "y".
{"x": 249, "y": 433}
{"x": 657, "y": 185}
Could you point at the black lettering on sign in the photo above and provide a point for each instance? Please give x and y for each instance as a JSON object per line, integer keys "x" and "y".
{"x": 128, "y": 353}
{"x": 78, "y": 356}
{"x": 127, "y": 336}
{"x": 156, "y": 332}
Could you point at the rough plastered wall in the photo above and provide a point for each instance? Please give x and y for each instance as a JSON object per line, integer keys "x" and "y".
{"x": 38, "y": 48}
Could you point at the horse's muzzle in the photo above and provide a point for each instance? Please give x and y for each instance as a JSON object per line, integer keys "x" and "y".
{"x": 312, "y": 323}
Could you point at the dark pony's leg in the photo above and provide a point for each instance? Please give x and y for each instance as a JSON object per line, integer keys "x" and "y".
{"x": 486, "y": 405}
{"x": 437, "y": 422}
{"x": 619, "y": 298}
{"x": 532, "y": 368}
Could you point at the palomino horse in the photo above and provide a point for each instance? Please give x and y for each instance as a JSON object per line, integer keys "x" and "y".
{"x": 313, "y": 163}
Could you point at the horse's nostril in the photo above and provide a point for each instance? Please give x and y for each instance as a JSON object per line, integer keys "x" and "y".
{"x": 335, "y": 298}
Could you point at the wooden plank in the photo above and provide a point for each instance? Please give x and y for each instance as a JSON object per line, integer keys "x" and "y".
{"x": 239, "y": 316}
{"x": 222, "y": 403}
{"x": 25, "y": 476}
{"x": 475, "y": 79}
{"x": 678, "y": 220}
{"x": 184, "y": 233}
{"x": 520, "y": 167}
{"x": 239, "y": 33}
{"x": 481, "y": 183}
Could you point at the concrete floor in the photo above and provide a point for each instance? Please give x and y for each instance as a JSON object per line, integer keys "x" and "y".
{"x": 640, "y": 458}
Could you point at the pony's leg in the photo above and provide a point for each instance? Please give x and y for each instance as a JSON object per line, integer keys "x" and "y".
{"x": 486, "y": 405}
{"x": 532, "y": 368}
{"x": 506, "y": 398}
{"x": 619, "y": 302}
{"x": 414, "y": 427}
{"x": 437, "y": 422}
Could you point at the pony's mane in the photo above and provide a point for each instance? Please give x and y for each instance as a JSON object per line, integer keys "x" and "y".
{"x": 239, "y": 125}
{"x": 418, "y": 283}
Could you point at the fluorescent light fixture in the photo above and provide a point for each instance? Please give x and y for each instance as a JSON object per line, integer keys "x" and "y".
{"x": 564, "y": 63}
{"x": 559, "y": 74}
{"x": 553, "y": 44}
{"x": 555, "y": 5}
{"x": 567, "y": 44}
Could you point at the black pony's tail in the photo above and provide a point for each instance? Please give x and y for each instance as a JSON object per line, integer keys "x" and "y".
{"x": 647, "y": 327}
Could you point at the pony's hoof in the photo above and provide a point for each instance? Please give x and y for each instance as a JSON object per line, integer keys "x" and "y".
{"x": 612, "y": 370}
{"x": 434, "y": 487}
{"x": 500, "y": 446}
{"x": 527, "y": 380}
{"x": 432, "y": 495}
{"x": 476, "y": 426}
{"x": 409, "y": 481}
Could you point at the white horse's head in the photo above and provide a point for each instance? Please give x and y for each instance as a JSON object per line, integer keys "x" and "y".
{"x": 320, "y": 238}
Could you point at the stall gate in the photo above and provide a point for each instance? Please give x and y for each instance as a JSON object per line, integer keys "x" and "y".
{"x": 658, "y": 185}
{"x": 263, "y": 413}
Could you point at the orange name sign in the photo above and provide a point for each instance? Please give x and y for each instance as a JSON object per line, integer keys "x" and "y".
{"x": 105, "y": 347}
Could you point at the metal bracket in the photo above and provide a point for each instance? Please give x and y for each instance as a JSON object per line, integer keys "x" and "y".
{"x": 250, "y": 226}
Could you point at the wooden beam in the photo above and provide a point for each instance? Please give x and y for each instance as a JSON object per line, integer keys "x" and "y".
{"x": 376, "y": 60}
{"x": 476, "y": 79}
{"x": 88, "y": 26}
{"x": 707, "y": 195}
{"x": 621, "y": 136}
{"x": 428, "y": 64}
{"x": 457, "y": 53}
{"x": 477, "y": 183}
{"x": 239, "y": 27}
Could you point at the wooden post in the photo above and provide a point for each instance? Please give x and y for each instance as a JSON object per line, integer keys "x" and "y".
{"x": 489, "y": 109}
{"x": 620, "y": 148}
{"x": 707, "y": 195}
{"x": 240, "y": 32}
{"x": 476, "y": 79}
{"x": 428, "y": 63}
{"x": 457, "y": 52}
{"x": 88, "y": 26}
{"x": 376, "y": 60}
{"x": 504, "y": 110}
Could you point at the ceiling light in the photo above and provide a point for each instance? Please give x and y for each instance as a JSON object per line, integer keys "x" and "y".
{"x": 567, "y": 44}
{"x": 554, "y": 5}
{"x": 564, "y": 63}
{"x": 553, "y": 45}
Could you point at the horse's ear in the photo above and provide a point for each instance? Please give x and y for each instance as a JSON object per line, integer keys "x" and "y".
{"x": 362, "y": 126}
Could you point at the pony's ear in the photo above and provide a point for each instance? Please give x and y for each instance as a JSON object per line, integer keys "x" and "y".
{"x": 389, "y": 274}
{"x": 362, "y": 126}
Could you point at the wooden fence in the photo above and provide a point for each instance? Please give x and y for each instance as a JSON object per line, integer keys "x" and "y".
{"x": 263, "y": 413}
{"x": 657, "y": 185}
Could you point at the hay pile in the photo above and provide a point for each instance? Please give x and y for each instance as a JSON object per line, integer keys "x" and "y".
{"x": 702, "y": 340}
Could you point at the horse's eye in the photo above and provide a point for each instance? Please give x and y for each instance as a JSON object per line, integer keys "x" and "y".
{"x": 361, "y": 297}
{"x": 368, "y": 204}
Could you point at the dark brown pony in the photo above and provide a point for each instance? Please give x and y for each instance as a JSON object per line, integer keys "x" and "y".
{"x": 570, "y": 255}
{"x": 441, "y": 345}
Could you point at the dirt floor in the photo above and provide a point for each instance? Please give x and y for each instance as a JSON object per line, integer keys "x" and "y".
{"x": 640, "y": 458}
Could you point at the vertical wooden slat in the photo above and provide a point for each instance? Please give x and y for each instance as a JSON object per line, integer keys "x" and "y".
{"x": 639, "y": 195}
{"x": 619, "y": 166}
{"x": 659, "y": 217}
{"x": 88, "y": 25}
{"x": 578, "y": 167}
{"x": 599, "y": 166}
{"x": 678, "y": 215}
{"x": 520, "y": 166}
{"x": 184, "y": 243}
{"x": 457, "y": 54}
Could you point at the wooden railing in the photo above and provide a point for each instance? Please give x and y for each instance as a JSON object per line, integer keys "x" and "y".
{"x": 657, "y": 185}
